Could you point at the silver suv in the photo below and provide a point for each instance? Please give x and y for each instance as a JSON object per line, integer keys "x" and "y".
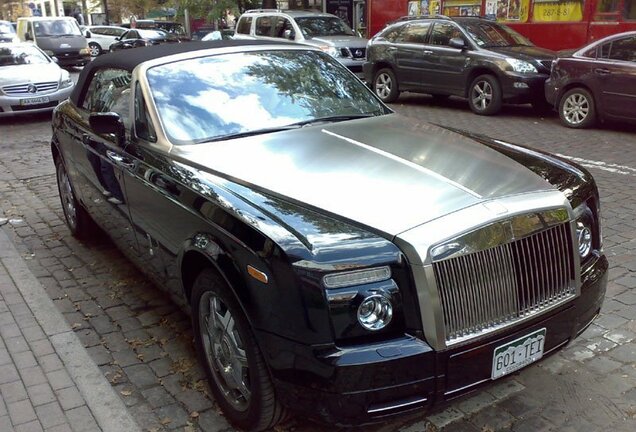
{"x": 325, "y": 31}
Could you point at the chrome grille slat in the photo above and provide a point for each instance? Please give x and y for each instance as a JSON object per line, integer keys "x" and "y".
{"x": 23, "y": 89}
{"x": 501, "y": 285}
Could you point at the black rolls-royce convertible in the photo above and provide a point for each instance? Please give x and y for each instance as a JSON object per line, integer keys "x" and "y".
{"x": 338, "y": 260}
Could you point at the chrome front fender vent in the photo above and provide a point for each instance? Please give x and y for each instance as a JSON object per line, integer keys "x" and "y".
{"x": 525, "y": 273}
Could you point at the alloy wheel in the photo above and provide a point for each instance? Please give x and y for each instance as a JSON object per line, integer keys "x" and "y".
{"x": 94, "y": 50}
{"x": 383, "y": 85}
{"x": 482, "y": 94}
{"x": 576, "y": 108}
{"x": 224, "y": 351}
{"x": 68, "y": 199}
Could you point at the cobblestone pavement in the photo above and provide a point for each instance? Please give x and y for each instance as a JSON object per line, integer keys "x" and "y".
{"x": 143, "y": 343}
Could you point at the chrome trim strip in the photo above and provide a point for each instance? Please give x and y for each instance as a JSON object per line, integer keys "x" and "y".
{"x": 396, "y": 406}
{"x": 342, "y": 297}
{"x": 403, "y": 161}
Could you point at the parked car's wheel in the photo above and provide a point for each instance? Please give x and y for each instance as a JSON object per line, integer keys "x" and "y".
{"x": 94, "y": 49}
{"x": 228, "y": 351}
{"x": 576, "y": 108}
{"x": 385, "y": 85}
{"x": 77, "y": 219}
{"x": 484, "y": 95}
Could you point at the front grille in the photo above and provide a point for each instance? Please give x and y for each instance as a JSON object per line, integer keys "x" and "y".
{"x": 546, "y": 64}
{"x": 492, "y": 288}
{"x": 23, "y": 89}
{"x": 356, "y": 53}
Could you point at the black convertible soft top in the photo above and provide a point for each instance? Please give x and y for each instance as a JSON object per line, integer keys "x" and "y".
{"x": 128, "y": 59}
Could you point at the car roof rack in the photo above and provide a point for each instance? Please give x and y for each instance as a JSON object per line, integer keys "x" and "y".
{"x": 418, "y": 17}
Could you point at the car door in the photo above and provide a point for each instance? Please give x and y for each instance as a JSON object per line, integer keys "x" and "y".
{"x": 99, "y": 159}
{"x": 444, "y": 66}
{"x": 410, "y": 54}
{"x": 615, "y": 72}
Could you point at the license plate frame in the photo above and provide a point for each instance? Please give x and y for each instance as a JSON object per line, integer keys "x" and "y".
{"x": 519, "y": 353}
{"x": 34, "y": 101}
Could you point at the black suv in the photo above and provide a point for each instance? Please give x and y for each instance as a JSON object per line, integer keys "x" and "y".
{"x": 484, "y": 61}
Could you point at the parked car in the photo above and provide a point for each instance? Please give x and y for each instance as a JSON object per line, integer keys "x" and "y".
{"x": 171, "y": 27}
{"x": 597, "y": 82}
{"x": 7, "y": 32}
{"x": 30, "y": 81}
{"x": 481, "y": 60}
{"x": 337, "y": 258}
{"x": 100, "y": 38}
{"x": 325, "y": 31}
{"x": 56, "y": 36}
{"x": 218, "y": 35}
{"x": 135, "y": 38}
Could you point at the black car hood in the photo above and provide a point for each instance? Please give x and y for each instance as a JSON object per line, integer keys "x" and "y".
{"x": 525, "y": 52}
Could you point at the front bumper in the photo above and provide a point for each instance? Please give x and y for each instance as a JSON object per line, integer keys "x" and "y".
{"x": 11, "y": 105}
{"x": 551, "y": 91}
{"x": 368, "y": 383}
{"x": 71, "y": 58}
{"x": 354, "y": 65}
{"x": 522, "y": 88}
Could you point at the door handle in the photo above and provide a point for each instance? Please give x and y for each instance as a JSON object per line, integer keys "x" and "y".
{"x": 427, "y": 52}
{"x": 120, "y": 160}
{"x": 602, "y": 71}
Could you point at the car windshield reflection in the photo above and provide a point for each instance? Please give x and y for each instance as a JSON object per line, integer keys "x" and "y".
{"x": 241, "y": 94}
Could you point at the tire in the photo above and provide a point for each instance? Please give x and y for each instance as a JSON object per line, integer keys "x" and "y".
{"x": 484, "y": 95}
{"x": 227, "y": 343}
{"x": 577, "y": 109}
{"x": 77, "y": 219}
{"x": 385, "y": 85}
{"x": 95, "y": 49}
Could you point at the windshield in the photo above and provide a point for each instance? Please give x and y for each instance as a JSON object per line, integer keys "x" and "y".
{"x": 6, "y": 28}
{"x": 59, "y": 27}
{"x": 490, "y": 34}
{"x": 216, "y": 97}
{"x": 21, "y": 55}
{"x": 153, "y": 34}
{"x": 323, "y": 26}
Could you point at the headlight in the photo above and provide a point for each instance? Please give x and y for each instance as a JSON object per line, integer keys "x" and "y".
{"x": 66, "y": 80}
{"x": 375, "y": 312}
{"x": 584, "y": 230}
{"x": 332, "y": 51}
{"x": 521, "y": 66}
{"x": 84, "y": 51}
{"x": 356, "y": 277}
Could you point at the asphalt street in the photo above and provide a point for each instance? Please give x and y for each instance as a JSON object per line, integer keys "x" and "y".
{"x": 142, "y": 343}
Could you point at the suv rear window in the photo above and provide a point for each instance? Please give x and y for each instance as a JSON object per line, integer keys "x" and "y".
{"x": 244, "y": 25}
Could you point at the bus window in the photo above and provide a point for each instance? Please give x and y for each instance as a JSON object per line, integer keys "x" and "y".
{"x": 607, "y": 10}
{"x": 630, "y": 9}
{"x": 557, "y": 10}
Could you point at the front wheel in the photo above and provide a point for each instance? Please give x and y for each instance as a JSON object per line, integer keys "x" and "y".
{"x": 94, "y": 49}
{"x": 77, "y": 219}
{"x": 385, "y": 85}
{"x": 233, "y": 362}
{"x": 576, "y": 108}
{"x": 484, "y": 95}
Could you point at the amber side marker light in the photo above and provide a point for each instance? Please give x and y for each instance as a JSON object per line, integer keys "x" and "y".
{"x": 257, "y": 274}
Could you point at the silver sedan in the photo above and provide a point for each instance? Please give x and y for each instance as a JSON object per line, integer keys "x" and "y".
{"x": 30, "y": 80}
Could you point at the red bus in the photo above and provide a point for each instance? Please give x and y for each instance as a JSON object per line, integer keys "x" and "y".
{"x": 553, "y": 24}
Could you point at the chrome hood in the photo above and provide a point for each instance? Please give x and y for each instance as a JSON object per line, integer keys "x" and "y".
{"x": 29, "y": 73}
{"x": 388, "y": 173}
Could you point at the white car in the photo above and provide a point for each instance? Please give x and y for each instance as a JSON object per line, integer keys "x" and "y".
{"x": 30, "y": 81}
{"x": 100, "y": 38}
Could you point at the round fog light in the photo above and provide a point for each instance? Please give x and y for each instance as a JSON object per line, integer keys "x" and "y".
{"x": 584, "y": 235}
{"x": 375, "y": 312}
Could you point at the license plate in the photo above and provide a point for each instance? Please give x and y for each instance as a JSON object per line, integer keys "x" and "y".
{"x": 518, "y": 353}
{"x": 34, "y": 101}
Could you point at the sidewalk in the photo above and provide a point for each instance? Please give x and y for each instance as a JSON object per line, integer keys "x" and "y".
{"x": 48, "y": 382}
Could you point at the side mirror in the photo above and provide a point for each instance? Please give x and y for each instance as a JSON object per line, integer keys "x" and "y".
{"x": 88, "y": 34}
{"x": 108, "y": 123}
{"x": 289, "y": 34}
{"x": 457, "y": 43}
{"x": 27, "y": 36}
{"x": 55, "y": 59}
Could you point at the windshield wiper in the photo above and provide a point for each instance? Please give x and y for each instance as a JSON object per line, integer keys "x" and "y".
{"x": 330, "y": 119}
{"x": 248, "y": 133}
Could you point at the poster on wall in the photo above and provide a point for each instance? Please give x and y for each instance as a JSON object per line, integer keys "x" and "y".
{"x": 491, "y": 9}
